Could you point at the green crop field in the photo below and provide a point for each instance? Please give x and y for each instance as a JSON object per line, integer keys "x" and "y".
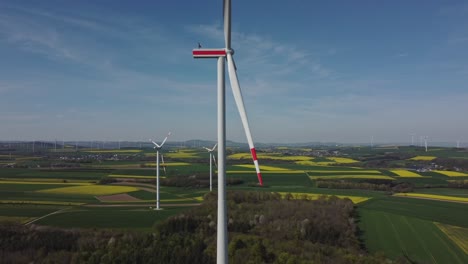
{"x": 27, "y": 210}
{"x": 116, "y": 218}
{"x": 32, "y": 186}
{"x": 399, "y": 235}
{"x": 458, "y": 235}
{"x": 436, "y": 211}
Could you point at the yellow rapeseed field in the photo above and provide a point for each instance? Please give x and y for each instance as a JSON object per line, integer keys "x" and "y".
{"x": 342, "y": 160}
{"x": 91, "y": 190}
{"x": 314, "y": 196}
{"x": 426, "y": 158}
{"x": 433, "y": 196}
{"x": 458, "y": 235}
{"x": 406, "y": 173}
{"x": 451, "y": 173}
{"x": 314, "y": 163}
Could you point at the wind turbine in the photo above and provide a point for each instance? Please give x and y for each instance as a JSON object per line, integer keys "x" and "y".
{"x": 211, "y": 166}
{"x": 222, "y": 55}
{"x": 158, "y": 147}
{"x": 412, "y": 138}
{"x": 425, "y": 142}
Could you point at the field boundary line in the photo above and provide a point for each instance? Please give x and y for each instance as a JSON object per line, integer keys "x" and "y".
{"x": 431, "y": 199}
{"x": 44, "y": 216}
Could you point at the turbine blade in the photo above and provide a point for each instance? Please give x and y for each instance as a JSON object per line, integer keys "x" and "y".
{"x": 214, "y": 147}
{"x": 163, "y": 164}
{"x": 209, "y": 150}
{"x": 214, "y": 159}
{"x": 164, "y": 141}
{"x": 156, "y": 144}
{"x": 227, "y": 23}
{"x": 240, "y": 106}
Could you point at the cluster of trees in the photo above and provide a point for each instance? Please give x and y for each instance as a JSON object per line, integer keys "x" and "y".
{"x": 263, "y": 228}
{"x": 388, "y": 186}
{"x": 459, "y": 184}
{"x": 194, "y": 181}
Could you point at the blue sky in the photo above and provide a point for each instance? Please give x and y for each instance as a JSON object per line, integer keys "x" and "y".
{"x": 309, "y": 70}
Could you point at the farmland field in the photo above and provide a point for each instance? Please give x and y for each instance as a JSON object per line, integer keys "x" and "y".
{"x": 434, "y": 197}
{"x": 435, "y": 211}
{"x": 117, "y": 218}
{"x": 314, "y": 196}
{"x": 444, "y": 191}
{"x": 90, "y": 190}
{"x": 458, "y": 235}
{"x": 451, "y": 173}
{"x": 400, "y": 235}
{"x": 423, "y": 158}
{"x": 340, "y": 177}
{"x": 405, "y": 173}
{"x": 427, "y": 231}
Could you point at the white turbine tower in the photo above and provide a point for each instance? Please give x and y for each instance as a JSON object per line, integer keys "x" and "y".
{"x": 222, "y": 55}
{"x": 212, "y": 158}
{"x": 412, "y": 138}
{"x": 425, "y": 142}
{"x": 158, "y": 147}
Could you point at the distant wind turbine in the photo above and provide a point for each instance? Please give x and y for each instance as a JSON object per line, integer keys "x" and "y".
{"x": 425, "y": 142}
{"x": 212, "y": 158}
{"x": 158, "y": 147}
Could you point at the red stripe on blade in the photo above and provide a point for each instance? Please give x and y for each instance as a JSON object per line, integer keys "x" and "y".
{"x": 209, "y": 53}
{"x": 254, "y": 153}
{"x": 260, "y": 180}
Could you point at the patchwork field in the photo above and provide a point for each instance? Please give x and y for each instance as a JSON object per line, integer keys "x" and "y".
{"x": 340, "y": 177}
{"x": 451, "y": 173}
{"x": 458, "y": 235}
{"x": 400, "y": 235}
{"x": 423, "y": 158}
{"x": 315, "y": 196}
{"x": 91, "y": 190}
{"x": 406, "y": 173}
{"x": 430, "y": 229}
{"x": 433, "y": 197}
{"x": 116, "y": 218}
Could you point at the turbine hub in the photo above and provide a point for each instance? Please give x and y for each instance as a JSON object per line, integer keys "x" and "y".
{"x": 230, "y": 51}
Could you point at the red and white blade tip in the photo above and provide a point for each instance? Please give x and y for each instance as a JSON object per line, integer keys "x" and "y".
{"x": 208, "y": 53}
